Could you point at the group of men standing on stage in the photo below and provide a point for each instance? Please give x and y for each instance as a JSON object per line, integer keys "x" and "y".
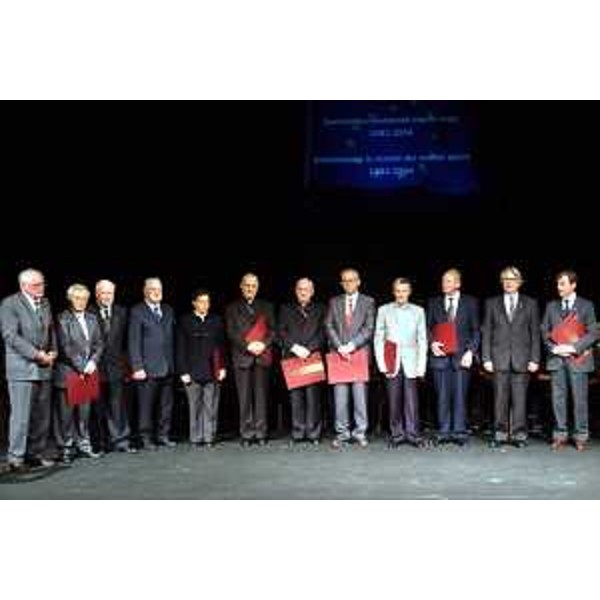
{"x": 147, "y": 346}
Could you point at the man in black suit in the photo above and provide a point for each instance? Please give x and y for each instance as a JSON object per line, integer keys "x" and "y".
{"x": 251, "y": 330}
{"x": 451, "y": 373}
{"x": 151, "y": 354}
{"x": 570, "y": 363}
{"x": 111, "y": 408}
{"x": 511, "y": 351}
{"x": 201, "y": 367}
{"x": 301, "y": 333}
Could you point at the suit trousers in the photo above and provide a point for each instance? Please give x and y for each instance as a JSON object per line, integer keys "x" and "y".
{"x": 155, "y": 395}
{"x": 112, "y": 413}
{"x": 452, "y": 386}
{"x": 203, "y": 400}
{"x": 404, "y": 408}
{"x": 510, "y": 405}
{"x": 29, "y": 422}
{"x": 306, "y": 412}
{"x": 562, "y": 379}
{"x": 70, "y": 424}
{"x": 341, "y": 395}
{"x": 252, "y": 385}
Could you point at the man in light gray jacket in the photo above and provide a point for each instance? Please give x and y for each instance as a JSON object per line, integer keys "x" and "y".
{"x": 31, "y": 349}
{"x": 401, "y": 328}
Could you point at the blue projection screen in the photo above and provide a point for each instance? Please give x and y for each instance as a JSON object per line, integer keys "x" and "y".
{"x": 391, "y": 146}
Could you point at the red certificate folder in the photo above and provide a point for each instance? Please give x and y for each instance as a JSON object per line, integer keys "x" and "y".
{"x": 82, "y": 389}
{"x": 258, "y": 331}
{"x": 353, "y": 369}
{"x": 445, "y": 333}
{"x": 300, "y": 372}
{"x": 390, "y": 350}
{"x": 570, "y": 331}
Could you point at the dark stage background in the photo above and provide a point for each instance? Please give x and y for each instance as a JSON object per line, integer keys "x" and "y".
{"x": 199, "y": 193}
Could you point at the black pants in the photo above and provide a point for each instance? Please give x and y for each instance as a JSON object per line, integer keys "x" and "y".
{"x": 253, "y": 395}
{"x": 112, "y": 415}
{"x": 404, "y": 408}
{"x": 306, "y": 412}
{"x": 510, "y": 405}
{"x": 155, "y": 394}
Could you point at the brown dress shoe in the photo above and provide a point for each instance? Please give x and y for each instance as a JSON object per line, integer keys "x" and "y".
{"x": 581, "y": 446}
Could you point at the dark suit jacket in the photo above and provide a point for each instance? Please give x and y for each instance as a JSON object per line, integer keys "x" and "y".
{"x": 511, "y": 345}
{"x": 239, "y": 320}
{"x": 584, "y": 310}
{"x": 363, "y": 322}
{"x": 306, "y": 329}
{"x": 151, "y": 340}
{"x": 74, "y": 350}
{"x": 467, "y": 329}
{"x": 198, "y": 345}
{"x": 113, "y": 361}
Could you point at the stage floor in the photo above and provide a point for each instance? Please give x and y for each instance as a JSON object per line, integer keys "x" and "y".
{"x": 280, "y": 472}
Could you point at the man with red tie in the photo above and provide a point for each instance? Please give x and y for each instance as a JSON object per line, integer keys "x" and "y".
{"x": 350, "y": 324}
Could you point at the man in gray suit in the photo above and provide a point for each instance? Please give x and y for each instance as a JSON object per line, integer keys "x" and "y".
{"x": 511, "y": 351}
{"x": 350, "y": 324}
{"x": 31, "y": 349}
{"x": 570, "y": 363}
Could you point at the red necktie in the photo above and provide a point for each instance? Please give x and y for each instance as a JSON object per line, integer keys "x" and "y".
{"x": 348, "y": 311}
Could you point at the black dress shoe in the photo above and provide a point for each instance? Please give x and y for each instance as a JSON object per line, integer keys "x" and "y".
{"x": 262, "y": 442}
{"x": 245, "y": 443}
{"x": 88, "y": 453}
{"x": 520, "y": 444}
{"x": 495, "y": 444}
{"x": 167, "y": 443}
{"x": 17, "y": 467}
{"x": 39, "y": 462}
{"x": 461, "y": 442}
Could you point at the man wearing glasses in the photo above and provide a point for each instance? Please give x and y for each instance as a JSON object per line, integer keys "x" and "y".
{"x": 511, "y": 350}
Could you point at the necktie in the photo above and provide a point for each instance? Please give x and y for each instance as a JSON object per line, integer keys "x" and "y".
{"x": 348, "y": 314}
{"x": 451, "y": 309}
{"x": 511, "y": 307}
{"x": 157, "y": 312}
{"x": 37, "y": 302}
{"x": 565, "y": 308}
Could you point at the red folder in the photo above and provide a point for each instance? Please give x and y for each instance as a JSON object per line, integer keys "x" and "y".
{"x": 390, "y": 350}
{"x": 82, "y": 389}
{"x": 218, "y": 362}
{"x": 445, "y": 333}
{"x": 569, "y": 331}
{"x": 300, "y": 372}
{"x": 353, "y": 369}
{"x": 258, "y": 331}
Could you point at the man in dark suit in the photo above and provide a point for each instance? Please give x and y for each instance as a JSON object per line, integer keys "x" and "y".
{"x": 511, "y": 351}
{"x": 350, "y": 326}
{"x": 80, "y": 347}
{"x": 31, "y": 350}
{"x": 111, "y": 408}
{"x": 251, "y": 330}
{"x": 451, "y": 372}
{"x": 301, "y": 333}
{"x": 151, "y": 355}
{"x": 570, "y": 363}
{"x": 201, "y": 367}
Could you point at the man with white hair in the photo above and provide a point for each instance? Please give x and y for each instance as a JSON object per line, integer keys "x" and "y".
{"x": 111, "y": 407}
{"x": 31, "y": 349}
{"x": 151, "y": 354}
